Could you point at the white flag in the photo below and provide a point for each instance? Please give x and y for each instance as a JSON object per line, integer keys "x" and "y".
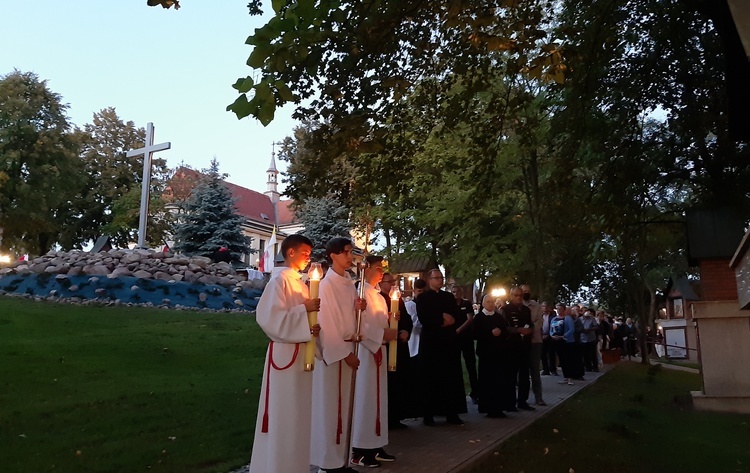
{"x": 268, "y": 254}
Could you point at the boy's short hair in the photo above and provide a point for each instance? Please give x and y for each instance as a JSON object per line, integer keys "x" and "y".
{"x": 337, "y": 245}
{"x": 372, "y": 259}
{"x": 420, "y": 284}
{"x": 294, "y": 241}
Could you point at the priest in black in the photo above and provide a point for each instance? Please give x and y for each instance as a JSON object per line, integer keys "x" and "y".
{"x": 496, "y": 383}
{"x": 521, "y": 327}
{"x": 439, "y": 354}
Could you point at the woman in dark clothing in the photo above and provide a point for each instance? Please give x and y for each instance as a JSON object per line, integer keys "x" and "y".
{"x": 496, "y": 385}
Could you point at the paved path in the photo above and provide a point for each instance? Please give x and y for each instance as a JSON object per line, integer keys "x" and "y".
{"x": 449, "y": 449}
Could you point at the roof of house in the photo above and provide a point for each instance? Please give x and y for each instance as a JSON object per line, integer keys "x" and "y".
{"x": 286, "y": 212}
{"x": 250, "y": 204}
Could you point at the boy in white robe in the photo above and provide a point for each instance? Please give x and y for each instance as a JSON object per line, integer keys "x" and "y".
{"x": 370, "y": 424}
{"x": 332, "y": 378}
{"x": 282, "y": 430}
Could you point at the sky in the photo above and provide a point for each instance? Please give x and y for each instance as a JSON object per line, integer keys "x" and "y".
{"x": 174, "y": 68}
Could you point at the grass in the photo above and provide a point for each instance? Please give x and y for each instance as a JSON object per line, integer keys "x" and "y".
{"x": 121, "y": 389}
{"x": 636, "y": 419}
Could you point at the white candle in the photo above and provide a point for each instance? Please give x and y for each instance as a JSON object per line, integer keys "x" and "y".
{"x": 314, "y": 273}
{"x": 395, "y": 295}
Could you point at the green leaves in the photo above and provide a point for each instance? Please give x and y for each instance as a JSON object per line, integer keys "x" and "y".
{"x": 244, "y": 85}
{"x": 266, "y": 96}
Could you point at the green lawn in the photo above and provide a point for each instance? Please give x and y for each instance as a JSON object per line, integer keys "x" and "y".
{"x": 120, "y": 389}
{"x": 635, "y": 419}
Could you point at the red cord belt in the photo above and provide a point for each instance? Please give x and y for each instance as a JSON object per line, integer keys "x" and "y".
{"x": 272, "y": 364}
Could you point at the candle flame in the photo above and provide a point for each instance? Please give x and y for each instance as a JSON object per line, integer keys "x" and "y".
{"x": 315, "y": 273}
{"x": 395, "y": 294}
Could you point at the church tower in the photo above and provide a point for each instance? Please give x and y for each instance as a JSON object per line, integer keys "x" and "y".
{"x": 272, "y": 181}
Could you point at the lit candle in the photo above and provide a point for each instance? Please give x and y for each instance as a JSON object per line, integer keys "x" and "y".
{"x": 395, "y": 295}
{"x": 314, "y": 274}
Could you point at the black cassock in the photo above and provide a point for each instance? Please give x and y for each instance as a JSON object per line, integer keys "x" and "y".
{"x": 439, "y": 356}
{"x": 495, "y": 373}
{"x": 400, "y": 406}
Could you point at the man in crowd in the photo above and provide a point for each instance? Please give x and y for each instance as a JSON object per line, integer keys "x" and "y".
{"x": 519, "y": 319}
{"x": 549, "y": 357}
{"x": 440, "y": 357}
{"x": 535, "y": 356}
{"x": 466, "y": 338}
{"x": 589, "y": 340}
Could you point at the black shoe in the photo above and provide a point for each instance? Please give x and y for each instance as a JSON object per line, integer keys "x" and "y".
{"x": 545, "y": 373}
{"x": 454, "y": 420}
{"x": 526, "y": 407}
{"x": 474, "y": 398}
{"x": 366, "y": 460}
{"x": 554, "y": 373}
{"x": 429, "y": 421}
{"x": 497, "y": 415}
{"x": 383, "y": 456}
{"x": 397, "y": 426}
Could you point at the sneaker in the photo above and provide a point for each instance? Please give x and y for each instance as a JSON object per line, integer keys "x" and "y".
{"x": 383, "y": 456}
{"x": 526, "y": 407}
{"x": 541, "y": 403}
{"x": 366, "y": 461}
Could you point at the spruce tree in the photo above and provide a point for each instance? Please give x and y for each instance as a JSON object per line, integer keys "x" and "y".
{"x": 324, "y": 218}
{"x": 209, "y": 220}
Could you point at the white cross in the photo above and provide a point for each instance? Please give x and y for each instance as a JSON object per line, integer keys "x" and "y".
{"x": 147, "y": 151}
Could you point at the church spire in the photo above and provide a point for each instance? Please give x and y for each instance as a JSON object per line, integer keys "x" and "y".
{"x": 272, "y": 178}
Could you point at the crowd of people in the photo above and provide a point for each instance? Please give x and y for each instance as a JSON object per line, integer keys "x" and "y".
{"x": 340, "y": 414}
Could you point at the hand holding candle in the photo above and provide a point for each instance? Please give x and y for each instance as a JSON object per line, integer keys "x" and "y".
{"x": 314, "y": 274}
{"x": 395, "y": 296}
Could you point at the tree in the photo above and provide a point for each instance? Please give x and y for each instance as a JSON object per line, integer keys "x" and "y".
{"x": 110, "y": 199}
{"x": 362, "y": 57}
{"x": 210, "y": 222}
{"x": 323, "y": 218}
{"x": 40, "y": 174}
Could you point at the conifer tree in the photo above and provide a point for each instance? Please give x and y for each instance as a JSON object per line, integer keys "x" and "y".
{"x": 324, "y": 218}
{"x": 209, "y": 220}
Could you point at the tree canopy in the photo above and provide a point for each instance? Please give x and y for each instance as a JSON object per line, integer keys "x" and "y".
{"x": 40, "y": 174}
{"x": 452, "y": 146}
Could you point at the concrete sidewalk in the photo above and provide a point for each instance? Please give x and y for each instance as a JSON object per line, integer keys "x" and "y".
{"x": 446, "y": 448}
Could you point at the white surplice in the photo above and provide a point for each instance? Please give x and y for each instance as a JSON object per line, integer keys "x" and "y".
{"x": 332, "y": 378}
{"x": 416, "y": 331}
{"x": 285, "y": 402}
{"x": 370, "y": 425}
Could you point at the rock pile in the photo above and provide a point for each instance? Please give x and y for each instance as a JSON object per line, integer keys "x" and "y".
{"x": 138, "y": 263}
